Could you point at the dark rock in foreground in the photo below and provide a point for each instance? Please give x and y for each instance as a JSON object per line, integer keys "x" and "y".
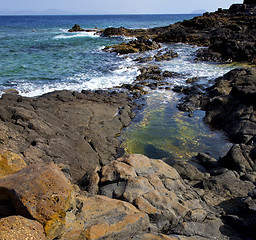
{"x": 76, "y": 130}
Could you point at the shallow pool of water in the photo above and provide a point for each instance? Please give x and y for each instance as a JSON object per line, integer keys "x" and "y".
{"x": 161, "y": 131}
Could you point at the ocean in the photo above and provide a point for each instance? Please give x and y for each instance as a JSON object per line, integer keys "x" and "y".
{"x": 39, "y": 55}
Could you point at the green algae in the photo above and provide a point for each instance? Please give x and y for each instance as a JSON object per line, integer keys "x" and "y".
{"x": 161, "y": 131}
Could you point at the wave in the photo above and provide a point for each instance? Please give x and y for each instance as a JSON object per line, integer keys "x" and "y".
{"x": 123, "y": 73}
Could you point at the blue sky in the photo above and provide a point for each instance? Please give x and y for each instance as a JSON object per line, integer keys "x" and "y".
{"x": 116, "y": 6}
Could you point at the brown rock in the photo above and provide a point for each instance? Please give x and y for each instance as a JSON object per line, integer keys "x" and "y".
{"x": 103, "y": 218}
{"x": 10, "y": 163}
{"x": 133, "y": 46}
{"x": 117, "y": 170}
{"x": 39, "y": 192}
{"x": 17, "y": 227}
{"x": 157, "y": 189}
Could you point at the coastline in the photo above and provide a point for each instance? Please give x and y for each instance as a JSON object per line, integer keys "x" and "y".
{"x": 143, "y": 198}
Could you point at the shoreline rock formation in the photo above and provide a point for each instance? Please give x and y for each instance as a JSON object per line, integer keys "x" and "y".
{"x": 229, "y": 35}
{"x": 132, "y": 197}
{"x": 61, "y": 177}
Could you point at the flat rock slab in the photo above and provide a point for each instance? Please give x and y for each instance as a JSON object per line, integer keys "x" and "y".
{"x": 71, "y": 128}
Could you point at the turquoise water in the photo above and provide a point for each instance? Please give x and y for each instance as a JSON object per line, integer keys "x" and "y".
{"x": 39, "y": 55}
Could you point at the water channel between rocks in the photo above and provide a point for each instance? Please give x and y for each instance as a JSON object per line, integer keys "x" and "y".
{"x": 161, "y": 131}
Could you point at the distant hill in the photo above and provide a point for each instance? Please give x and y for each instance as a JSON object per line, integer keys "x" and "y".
{"x": 199, "y": 11}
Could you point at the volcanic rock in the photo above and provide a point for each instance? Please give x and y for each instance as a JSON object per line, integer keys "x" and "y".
{"x": 229, "y": 34}
{"x": 134, "y": 46}
{"x": 156, "y": 189}
{"x": 103, "y": 218}
{"x": 74, "y": 129}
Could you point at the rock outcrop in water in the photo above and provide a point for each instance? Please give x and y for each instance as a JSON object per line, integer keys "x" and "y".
{"x": 76, "y": 28}
{"x": 230, "y": 106}
{"x": 134, "y": 46}
{"x": 228, "y": 34}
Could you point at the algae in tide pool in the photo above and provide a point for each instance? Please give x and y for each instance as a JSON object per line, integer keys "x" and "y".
{"x": 162, "y": 131}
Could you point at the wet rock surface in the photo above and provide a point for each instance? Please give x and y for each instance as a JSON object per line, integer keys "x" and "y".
{"x": 225, "y": 183}
{"x": 69, "y": 136}
{"x": 230, "y": 106}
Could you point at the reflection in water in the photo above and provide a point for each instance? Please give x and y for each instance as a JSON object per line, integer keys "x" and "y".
{"x": 152, "y": 152}
{"x": 162, "y": 131}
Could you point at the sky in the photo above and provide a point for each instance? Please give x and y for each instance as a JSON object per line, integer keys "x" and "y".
{"x": 115, "y": 6}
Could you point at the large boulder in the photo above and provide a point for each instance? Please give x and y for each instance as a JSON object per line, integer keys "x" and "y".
{"x": 231, "y": 104}
{"x": 38, "y": 192}
{"x": 157, "y": 189}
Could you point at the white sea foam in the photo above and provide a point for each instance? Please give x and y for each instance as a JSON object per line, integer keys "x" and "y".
{"x": 75, "y": 35}
{"x": 124, "y": 73}
{"x": 186, "y": 66}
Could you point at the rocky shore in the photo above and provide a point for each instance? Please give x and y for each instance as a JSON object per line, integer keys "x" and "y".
{"x": 228, "y": 34}
{"x": 63, "y": 175}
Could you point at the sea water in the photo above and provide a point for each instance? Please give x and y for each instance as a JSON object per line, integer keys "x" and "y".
{"x": 39, "y": 55}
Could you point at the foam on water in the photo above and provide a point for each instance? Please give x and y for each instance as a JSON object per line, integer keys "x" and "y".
{"x": 185, "y": 65}
{"x": 75, "y": 35}
{"x": 124, "y": 73}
